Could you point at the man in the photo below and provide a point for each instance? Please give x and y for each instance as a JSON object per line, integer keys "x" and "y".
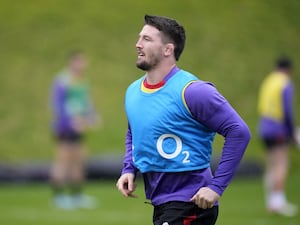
{"x": 73, "y": 114}
{"x": 276, "y": 129}
{"x": 172, "y": 119}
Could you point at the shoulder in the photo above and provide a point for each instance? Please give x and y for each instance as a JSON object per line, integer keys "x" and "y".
{"x": 187, "y": 75}
{"x": 202, "y": 93}
{"x": 62, "y": 79}
{"x": 135, "y": 84}
{"x": 278, "y": 78}
{"x": 201, "y": 88}
{"x": 289, "y": 88}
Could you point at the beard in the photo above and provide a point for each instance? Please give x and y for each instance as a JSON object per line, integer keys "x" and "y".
{"x": 146, "y": 66}
{"x": 153, "y": 61}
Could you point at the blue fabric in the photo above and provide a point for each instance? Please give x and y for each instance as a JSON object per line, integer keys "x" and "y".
{"x": 165, "y": 136}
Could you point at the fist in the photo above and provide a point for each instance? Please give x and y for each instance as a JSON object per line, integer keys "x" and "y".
{"x": 205, "y": 198}
{"x": 126, "y": 185}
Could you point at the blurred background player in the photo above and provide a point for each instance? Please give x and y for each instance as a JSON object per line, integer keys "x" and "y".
{"x": 277, "y": 129}
{"x": 73, "y": 115}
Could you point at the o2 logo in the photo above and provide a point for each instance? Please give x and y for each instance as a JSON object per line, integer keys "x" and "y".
{"x": 178, "y": 149}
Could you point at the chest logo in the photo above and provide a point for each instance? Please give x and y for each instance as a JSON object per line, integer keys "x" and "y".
{"x": 163, "y": 141}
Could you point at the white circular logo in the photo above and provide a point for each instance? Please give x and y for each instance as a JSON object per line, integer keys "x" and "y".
{"x": 164, "y": 154}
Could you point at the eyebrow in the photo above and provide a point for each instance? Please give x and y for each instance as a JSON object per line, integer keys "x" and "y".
{"x": 145, "y": 35}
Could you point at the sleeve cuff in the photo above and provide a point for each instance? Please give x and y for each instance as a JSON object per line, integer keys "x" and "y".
{"x": 132, "y": 170}
{"x": 216, "y": 189}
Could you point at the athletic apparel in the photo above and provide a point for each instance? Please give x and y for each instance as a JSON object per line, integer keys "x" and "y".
{"x": 69, "y": 137}
{"x": 183, "y": 213}
{"x": 210, "y": 109}
{"x": 275, "y": 106}
{"x": 185, "y": 149}
{"x": 272, "y": 142}
{"x": 70, "y": 99}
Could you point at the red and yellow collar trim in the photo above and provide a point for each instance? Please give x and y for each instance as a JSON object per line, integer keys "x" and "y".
{"x": 150, "y": 88}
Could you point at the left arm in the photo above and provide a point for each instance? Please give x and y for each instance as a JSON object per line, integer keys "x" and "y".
{"x": 210, "y": 108}
{"x": 237, "y": 137}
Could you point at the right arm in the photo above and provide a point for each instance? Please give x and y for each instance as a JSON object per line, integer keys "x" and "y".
{"x": 288, "y": 110}
{"x": 58, "y": 103}
{"x": 126, "y": 183}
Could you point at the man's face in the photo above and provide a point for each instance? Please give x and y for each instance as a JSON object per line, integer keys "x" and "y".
{"x": 78, "y": 64}
{"x": 149, "y": 48}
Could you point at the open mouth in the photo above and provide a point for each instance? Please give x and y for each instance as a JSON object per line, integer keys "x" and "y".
{"x": 140, "y": 54}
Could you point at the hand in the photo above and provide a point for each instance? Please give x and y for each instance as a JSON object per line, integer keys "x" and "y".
{"x": 126, "y": 185}
{"x": 205, "y": 198}
{"x": 79, "y": 124}
{"x": 296, "y": 137}
{"x": 94, "y": 120}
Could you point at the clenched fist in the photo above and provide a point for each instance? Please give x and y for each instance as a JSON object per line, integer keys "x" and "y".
{"x": 205, "y": 198}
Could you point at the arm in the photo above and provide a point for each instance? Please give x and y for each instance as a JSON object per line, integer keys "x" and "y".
{"x": 288, "y": 109}
{"x": 210, "y": 108}
{"x": 237, "y": 137}
{"x": 128, "y": 166}
{"x": 93, "y": 118}
{"x": 126, "y": 183}
{"x": 58, "y": 103}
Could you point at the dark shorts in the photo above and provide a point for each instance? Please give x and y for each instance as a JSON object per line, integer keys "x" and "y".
{"x": 184, "y": 213}
{"x": 69, "y": 137}
{"x": 272, "y": 142}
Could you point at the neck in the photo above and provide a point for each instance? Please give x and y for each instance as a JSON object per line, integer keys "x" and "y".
{"x": 75, "y": 73}
{"x": 158, "y": 74}
{"x": 284, "y": 71}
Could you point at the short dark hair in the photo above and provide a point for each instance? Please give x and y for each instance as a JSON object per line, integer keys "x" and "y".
{"x": 284, "y": 63}
{"x": 74, "y": 54}
{"x": 171, "y": 29}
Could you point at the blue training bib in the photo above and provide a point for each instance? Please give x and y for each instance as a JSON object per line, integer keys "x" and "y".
{"x": 165, "y": 136}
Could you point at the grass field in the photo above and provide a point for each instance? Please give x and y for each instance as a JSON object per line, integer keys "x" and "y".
{"x": 242, "y": 203}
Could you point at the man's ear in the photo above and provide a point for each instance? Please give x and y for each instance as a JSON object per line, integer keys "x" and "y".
{"x": 169, "y": 49}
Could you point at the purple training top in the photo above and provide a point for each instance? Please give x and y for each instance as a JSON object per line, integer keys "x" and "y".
{"x": 211, "y": 109}
{"x": 70, "y": 99}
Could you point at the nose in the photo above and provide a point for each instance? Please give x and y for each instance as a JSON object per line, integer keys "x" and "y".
{"x": 138, "y": 43}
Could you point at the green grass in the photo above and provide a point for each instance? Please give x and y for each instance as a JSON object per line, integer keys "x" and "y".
{"x": 242, "y": 203}
{"x": 231, "y": 43}
{"x": 30, "y": 204}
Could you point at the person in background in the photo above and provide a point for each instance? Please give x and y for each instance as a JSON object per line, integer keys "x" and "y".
{"x": 277, "y": 130}
{"x": 73, "y": 114}
{"x": 173, "y": 118}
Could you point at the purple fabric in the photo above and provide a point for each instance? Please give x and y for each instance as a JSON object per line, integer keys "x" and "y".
{"x": 181, "y": 186}
{"x": 270, "y": 128}
{"x": 288, "y": 109}
{"x": 128, "y": 166}
{"x": 62, "y": 122}
{"x": 174, "y": 70}
{"x": 211, "y": 109}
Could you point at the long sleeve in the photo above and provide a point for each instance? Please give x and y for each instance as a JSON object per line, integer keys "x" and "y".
{"x": 210, "y": 108}
{"x": 128, "y": 166}
{"x": 58, "y": 97}
{"x": 288, "y": 109}
{"x": 62, "y": 119}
